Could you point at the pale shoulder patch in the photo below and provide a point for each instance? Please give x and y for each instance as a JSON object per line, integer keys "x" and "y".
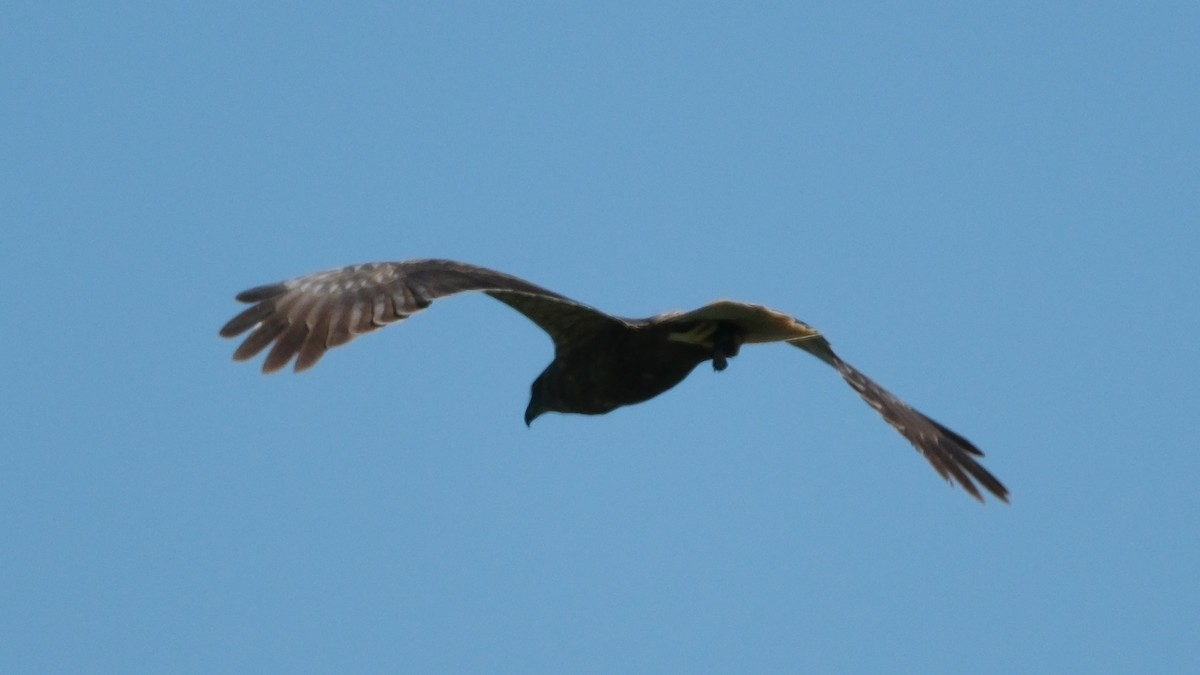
{"x": 760, "y": 324}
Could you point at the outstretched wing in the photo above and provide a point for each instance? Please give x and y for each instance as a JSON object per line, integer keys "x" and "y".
{"x": 951, "y": 455}
{"x": 306, "y": 316}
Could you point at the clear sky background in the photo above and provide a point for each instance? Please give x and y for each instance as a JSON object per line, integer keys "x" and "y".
{"x": 993, "y": 209}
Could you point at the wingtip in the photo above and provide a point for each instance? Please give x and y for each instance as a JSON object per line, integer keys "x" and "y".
{"x": 230, "y": 329}
{"x": 997, "y": 491}
{"x": 259, "y": 293}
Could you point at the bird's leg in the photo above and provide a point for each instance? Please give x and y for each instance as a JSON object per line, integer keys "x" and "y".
{"x": 726, "y": 342}
{"x": 720, "y": 338}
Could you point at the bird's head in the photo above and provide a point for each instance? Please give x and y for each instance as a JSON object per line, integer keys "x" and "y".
{"x": 538, "y": 400}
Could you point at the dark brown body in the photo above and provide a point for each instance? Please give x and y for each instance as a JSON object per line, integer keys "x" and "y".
{"x": 609, "y": 371}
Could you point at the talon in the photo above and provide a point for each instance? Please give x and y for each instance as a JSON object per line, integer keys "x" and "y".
{"x": 719, "y": 362}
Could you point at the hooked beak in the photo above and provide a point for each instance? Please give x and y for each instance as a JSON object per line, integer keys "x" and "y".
{"x": 531, "y": 413}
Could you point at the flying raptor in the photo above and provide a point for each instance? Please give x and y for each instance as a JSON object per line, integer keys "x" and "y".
{"x": 601, "y": 362}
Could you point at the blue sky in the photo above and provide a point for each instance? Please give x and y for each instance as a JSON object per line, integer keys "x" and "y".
{"x": 993, "y": 210}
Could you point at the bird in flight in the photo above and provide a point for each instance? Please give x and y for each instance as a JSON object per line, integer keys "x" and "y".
{"x": 601, "y": 362}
